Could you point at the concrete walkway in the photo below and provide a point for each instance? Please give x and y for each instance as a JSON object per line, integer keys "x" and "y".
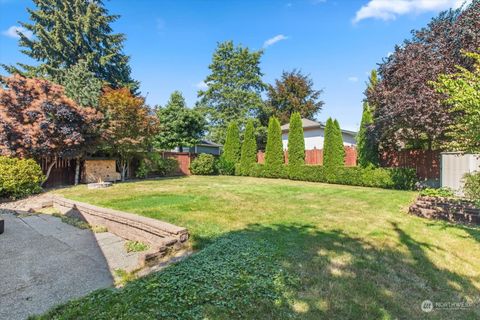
{"x": 44, "y": 262}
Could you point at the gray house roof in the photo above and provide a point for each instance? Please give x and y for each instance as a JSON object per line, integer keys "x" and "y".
{"x": 308, "y": 124}
{"x": 208, "y": 143}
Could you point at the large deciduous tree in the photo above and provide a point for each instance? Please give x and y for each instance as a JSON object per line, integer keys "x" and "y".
{"x": 462, "y": 90}
{"x": 65, "y": 32}
{"x": 293, "y": 92}
{"x": 408, "y": 110}
{"x": 179, "y": 125}
{"x": 233, "y": 88}
{"x": 38, "y": 120}
{"x": 130, "y": 125}
{"x": 366, "y": 143}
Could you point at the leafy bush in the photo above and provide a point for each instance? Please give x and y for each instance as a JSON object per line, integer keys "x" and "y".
{"x": 154, "y": 164}
{"x": 472, "y": 186}
{"x": 204, "y": 164}
{"x": 19, "y": 178}
{"x": 389, "y": 178}
{"x": 437, "y": 192}
{"x": 225, "y": 167}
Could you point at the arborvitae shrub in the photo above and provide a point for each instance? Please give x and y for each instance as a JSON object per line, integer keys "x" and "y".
{"x": 249, "y": 149}
{"x": 231, "y": 149}
{"x": 274, "y": 160}
{"x": 296, "y": 141}
{"x": 333, "y": 150}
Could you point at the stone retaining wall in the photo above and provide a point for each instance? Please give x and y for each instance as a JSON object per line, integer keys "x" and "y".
{"x": 161, "y": 236}
{"x": 446, "y": 209}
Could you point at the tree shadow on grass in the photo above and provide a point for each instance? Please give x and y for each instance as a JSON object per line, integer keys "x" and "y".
{"x": 472, "y": 230}
{"x": 284, "y": 272}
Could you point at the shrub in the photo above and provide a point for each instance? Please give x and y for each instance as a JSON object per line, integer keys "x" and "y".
{"x": 19, "y": 178}
{"x": 154, "y": 164}
{"x": 390, "y": 178}
{"x": 204, "y": 164}
{"x": 225, "y": 167}
{"x": 274, "y": 150}
{"x": 437, "y": 192}
{"x": 472, "y": 186}
{"x": 333, "y": 150}
{"x": 231, "y": 149}
{"x": 249, "y": 149}
{"x": 296, "y": 141}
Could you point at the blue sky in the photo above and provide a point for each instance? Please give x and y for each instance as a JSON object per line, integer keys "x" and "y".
{"x": 336, "y": 42}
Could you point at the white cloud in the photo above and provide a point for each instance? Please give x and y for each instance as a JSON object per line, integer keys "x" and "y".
{"x": 274, "y": 40}
{"x": 353, "y": 79}
{"x": 12, "y": 32}
{"x": 201, "y": 85}
{"x": 390, "y": 9}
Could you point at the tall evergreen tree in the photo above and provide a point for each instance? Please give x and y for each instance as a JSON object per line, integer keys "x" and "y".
{"x": 249, "y": 149}
{"x": 231, "y": 149}
{"x": 366, "y": 143}
{"x": 333, "y": 151}
{"x": 179, "y": 125}
{"x": 65, "y": 32}
{"x": 274, "y": 158}
{"x": 296, "y": 141}
{"x": 233, "y": 88}
{"x": 81, "y": 85}
{"x": 339, "y": 147}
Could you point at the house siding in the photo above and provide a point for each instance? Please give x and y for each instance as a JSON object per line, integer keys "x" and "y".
{"x": 314, "y": 139}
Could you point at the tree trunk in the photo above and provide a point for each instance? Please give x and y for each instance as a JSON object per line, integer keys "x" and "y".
{"x": 123, "y": 165}
{"x": 49, "y": 170}
{"x": 77, "y": 170}
{"x": 180, "y": 149}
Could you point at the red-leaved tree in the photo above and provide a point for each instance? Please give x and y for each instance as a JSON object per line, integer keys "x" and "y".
{"x": 38, "y": 121}
{"x": 408, "y": 110}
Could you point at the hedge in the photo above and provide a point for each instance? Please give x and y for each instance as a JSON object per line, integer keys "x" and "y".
{"x": 19, "y": 178}
{"x": 388, "y": 178}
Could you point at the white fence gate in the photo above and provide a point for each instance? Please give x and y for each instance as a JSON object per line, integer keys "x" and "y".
{"x": 454, "y": 166}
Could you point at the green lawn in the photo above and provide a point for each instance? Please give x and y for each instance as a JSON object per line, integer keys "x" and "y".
{"x": 278, "y": 249}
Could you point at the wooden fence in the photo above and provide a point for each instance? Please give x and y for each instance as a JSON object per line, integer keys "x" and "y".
{"x": 425, "y": 162}
{"x": 184, "y": 160}
{"x": 315, "y": 157}
{"x": 63, "y": 172}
